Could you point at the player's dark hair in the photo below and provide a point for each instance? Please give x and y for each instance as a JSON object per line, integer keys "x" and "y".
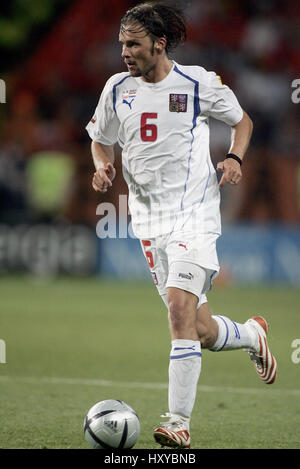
{"x": 159, "y": 20}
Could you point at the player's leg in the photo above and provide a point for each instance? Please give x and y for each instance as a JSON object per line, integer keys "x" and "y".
{"x": 182, "y": 311}
{"x": 207, "y": 327}
{"x": 187, "y": 253}
{"x": 185, "y": 356}
{"x": 219, "y": 333}
{"x": 159, "y": 267}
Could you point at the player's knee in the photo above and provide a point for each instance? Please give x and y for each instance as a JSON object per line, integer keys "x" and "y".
{"x": 181, "y": 314}
{"x": 176, "y": 313}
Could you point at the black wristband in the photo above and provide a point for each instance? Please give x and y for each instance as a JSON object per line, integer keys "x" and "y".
{"x": 234, "y": 157}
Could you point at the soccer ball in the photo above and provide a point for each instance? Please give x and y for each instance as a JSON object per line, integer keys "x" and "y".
{"x": 111, "y": 424}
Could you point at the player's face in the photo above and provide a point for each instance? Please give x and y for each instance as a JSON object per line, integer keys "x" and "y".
{"x": 137, "y": 50}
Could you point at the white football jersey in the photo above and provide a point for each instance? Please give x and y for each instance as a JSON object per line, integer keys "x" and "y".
{"x": 163, "y": 129}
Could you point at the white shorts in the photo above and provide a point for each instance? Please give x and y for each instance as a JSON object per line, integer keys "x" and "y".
{"x": 175, "y": 260}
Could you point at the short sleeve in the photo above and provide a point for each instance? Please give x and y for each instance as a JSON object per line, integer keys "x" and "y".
{"x": 104, "y": 125}
{"x": 220, "y": 102}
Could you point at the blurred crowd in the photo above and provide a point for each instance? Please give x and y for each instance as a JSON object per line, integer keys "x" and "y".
{"x": 253, "y": 45}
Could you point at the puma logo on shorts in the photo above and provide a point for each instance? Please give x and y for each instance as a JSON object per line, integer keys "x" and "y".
{"x": 189, "y": 276}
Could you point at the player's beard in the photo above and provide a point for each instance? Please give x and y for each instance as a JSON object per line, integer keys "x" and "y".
{"x": 149, "y": 68}
{"x": 145, "y": 72}
{"x": 135, "y": 73}
{"x": 142, "y": 73}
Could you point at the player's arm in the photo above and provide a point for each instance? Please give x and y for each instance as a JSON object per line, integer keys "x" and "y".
{"x": 240, "y": 138}
{"x": 103, "y": 157}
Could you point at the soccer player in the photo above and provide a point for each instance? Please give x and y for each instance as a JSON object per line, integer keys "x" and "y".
{"x": 158, "y": 111}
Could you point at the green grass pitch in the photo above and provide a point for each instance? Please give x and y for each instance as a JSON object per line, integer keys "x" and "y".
{"x": 71, "y": 343}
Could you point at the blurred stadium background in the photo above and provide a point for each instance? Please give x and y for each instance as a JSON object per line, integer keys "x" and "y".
{"x": 56, "y": 56}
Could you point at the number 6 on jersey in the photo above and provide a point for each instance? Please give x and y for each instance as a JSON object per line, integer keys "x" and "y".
{"x": 148, "y": 131}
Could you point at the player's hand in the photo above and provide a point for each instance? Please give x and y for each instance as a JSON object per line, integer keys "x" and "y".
{"x": 232, "y": 173}
{"x": 103, "y": 178}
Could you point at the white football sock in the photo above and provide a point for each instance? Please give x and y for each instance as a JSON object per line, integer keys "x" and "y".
{"x": 233, "y": 335}
{"x": 184, "y": 372}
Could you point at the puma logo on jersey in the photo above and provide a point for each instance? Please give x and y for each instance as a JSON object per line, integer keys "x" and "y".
{"x": 128, "y": 97}
{"x": 126, "y": 102}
